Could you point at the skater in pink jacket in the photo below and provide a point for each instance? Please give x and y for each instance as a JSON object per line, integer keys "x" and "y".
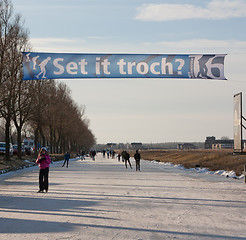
{"x": 43, "y": 161}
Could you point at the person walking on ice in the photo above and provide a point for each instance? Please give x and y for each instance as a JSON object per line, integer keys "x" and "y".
{"x": 67, "y": 157}
{"x": 42, "y": 66}
{"x": 127, "y": 159}
{"x": 137, "y": 158}
{"x": 43, "y": 161}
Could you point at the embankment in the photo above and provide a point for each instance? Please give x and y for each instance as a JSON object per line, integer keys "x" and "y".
{"x": 27, "y": 161}
{"x": 212, "y": 159}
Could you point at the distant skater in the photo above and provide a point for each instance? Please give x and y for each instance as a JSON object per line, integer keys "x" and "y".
{"x": 119, "y": 157}
{"x": 93, "y": 155}
{"x": 67, "y": 157}
{"x": 137, "y": 158}
{"x": 127, "y": 159}
{"x": 43, "y": 161}
{"x": 113, "y": 153}
{"x": 82, "y": 156}
{"x": 123, "y": 156}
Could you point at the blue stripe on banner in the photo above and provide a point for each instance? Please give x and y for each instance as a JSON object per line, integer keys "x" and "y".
{"x": 65, "y": 65}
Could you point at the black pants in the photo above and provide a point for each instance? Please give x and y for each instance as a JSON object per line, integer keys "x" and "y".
{"x": 128, "y": 160}
{"x": 44, "y": 179}
{"x": 138, "y": 165}
{"x": 66, "y": 160}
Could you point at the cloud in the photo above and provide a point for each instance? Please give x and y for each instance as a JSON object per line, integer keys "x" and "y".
{"x": 53, "y": 40}
{"x": 55, "y": 44}
{"x": 204, "y": 46}
{"x": 97, "y": 37}
{"x": 182, "y": 46}
{"x": 216, "y": 9}
{"x": 92, "y": 44}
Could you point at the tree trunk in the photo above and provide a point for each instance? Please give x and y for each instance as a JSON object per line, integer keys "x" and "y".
{"x": 51, "y": 139}
{"x": 36, "y": 141}
{"x": 7, "y": 139}
{"x": 42, "y": 136}
{"x": 58, "y": 143}
{"x": 54, "y": 141}
{"x": 19, "y": 142}
{"x": 63, "y": 147}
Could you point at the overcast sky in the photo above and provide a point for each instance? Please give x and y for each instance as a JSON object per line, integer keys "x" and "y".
{"x": 147, "y": 110}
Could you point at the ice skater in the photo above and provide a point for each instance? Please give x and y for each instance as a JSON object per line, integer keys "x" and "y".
{"x": 127, "y": 159}
{"x": 42, "y": 66}
{"x": 67, "y": 157}
{"x": 34, "y": 60}
{"x": 123, "y": 156}
{"x": 82, "y": 157}
{"x": 43, "y": 161}
{"x": 28, "y": 57}
{"x": 137, "y": 158}
{"x": 93, "y": 154}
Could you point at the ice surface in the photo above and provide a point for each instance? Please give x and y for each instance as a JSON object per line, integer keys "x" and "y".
{"x": 104, "y": 200}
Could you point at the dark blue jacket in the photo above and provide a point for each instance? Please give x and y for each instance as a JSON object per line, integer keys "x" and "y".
{"x": 67, "y": 156}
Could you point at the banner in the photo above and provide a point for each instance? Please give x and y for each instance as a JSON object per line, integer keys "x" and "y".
{"x": 69, "y": 65}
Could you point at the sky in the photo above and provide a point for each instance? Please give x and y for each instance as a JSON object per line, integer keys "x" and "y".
{"x": 147, "y": 110}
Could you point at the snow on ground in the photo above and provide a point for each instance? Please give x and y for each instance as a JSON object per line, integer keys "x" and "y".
{"x": 103, "y": 200}
{"x": 230, "y": 174}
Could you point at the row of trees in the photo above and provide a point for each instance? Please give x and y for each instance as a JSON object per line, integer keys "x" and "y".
{"x": 45, "y": 107}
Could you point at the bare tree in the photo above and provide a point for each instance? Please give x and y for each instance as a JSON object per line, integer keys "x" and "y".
{"x": 57, "y": 119}
{"x": 45, "y": 106}
{"x": 38, "y": 116}
{"x": 13, "y": 40}
{"x": 22, "y": 108}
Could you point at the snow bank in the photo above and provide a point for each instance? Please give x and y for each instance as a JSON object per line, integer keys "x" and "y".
{"x": 228, "y": 174}
{"x": 11, "y": 169}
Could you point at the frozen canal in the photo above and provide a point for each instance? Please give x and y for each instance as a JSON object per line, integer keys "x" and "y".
{"x": 103, "y": 200}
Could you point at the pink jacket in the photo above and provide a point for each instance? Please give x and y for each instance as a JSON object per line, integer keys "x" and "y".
{"x": 44, "y": 163}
